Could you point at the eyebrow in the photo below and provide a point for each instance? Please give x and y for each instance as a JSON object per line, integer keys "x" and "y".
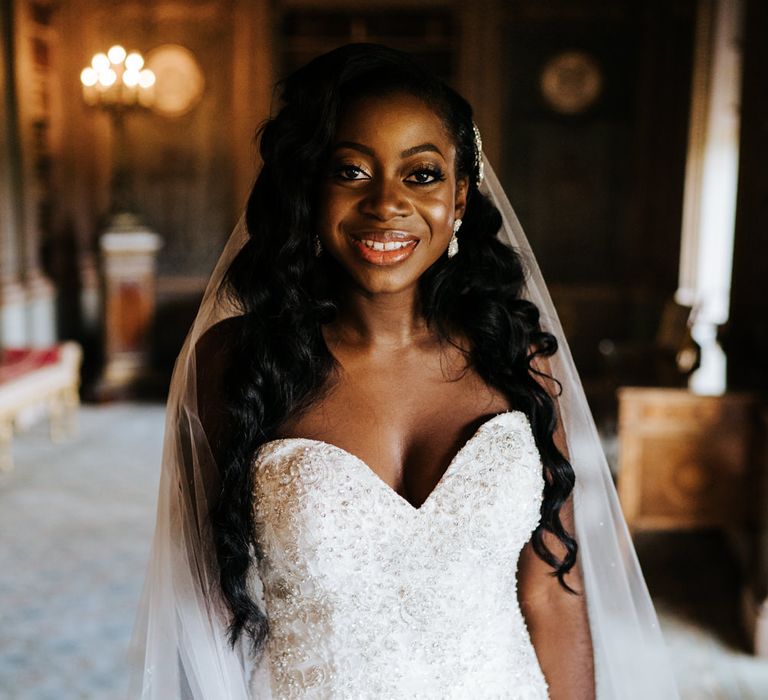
{"x": 421, "y": 148}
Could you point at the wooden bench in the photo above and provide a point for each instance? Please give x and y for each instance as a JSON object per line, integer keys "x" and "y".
{"x": 35, "y": 382}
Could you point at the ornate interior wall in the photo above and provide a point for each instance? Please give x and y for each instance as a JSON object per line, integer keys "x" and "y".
{"x": 596, "y": 108}
{"x": 597, "y": 183}
{"x": 191, "y": 159}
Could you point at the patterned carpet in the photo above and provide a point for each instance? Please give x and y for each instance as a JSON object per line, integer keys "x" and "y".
{"x": 76, "y": 521}
{"x": 75, "y": 525}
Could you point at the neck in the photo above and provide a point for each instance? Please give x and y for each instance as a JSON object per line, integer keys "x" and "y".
{"x": 383, "y": 321}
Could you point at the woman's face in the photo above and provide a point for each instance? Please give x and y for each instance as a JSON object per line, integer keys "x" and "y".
{"x": 390, "y": 182}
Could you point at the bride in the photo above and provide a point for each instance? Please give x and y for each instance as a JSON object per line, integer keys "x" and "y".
{"x": 380, "y": 477}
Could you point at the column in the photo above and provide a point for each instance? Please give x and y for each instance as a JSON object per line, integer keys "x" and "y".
{"x": 12, "y": 319}
{"x": 710, "y": 184}
{"x": 37, "y": 102}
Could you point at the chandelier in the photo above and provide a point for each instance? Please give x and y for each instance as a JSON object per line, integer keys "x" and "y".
{"x": 118, "y": 80}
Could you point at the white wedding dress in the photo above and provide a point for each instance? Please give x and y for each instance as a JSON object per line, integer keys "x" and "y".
{"x": 370, "y": 597}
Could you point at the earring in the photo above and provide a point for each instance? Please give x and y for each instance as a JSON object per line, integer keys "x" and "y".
{"x": 453, "y": 246}
{"x": 318, "y": 246}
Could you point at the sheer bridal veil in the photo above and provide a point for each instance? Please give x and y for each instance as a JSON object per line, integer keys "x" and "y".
{"x": 179, "y": 647}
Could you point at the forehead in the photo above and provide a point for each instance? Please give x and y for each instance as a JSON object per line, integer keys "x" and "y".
{"x": 397, "y": 121}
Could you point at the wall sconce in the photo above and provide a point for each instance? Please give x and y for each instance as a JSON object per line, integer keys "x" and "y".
{"x": 118, "y": 83}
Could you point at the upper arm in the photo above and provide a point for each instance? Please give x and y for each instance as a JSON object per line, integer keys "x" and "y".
{"x": 557, "y": 620}
{"x": 535, "y": 580}
{"x": 549, "y": 383}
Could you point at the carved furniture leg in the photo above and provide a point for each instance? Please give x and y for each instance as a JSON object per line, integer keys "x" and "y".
{"x": 6, "y": 437}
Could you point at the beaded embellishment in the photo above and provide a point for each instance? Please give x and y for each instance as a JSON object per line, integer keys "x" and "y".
{"x": 370, "y": 597}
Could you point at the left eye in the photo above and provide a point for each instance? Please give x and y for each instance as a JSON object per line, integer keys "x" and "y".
{"x": 426, "y": 176}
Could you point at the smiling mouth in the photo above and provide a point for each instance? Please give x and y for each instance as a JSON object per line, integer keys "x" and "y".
{"x": 384, "y": 247}
{"x": 388, "y": 245}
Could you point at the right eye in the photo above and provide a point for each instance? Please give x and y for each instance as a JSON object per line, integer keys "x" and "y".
{"x": 349, "y": 172}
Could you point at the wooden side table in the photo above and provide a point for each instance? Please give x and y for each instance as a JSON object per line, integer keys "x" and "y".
{"x": 687, "y": 461}
{"x": 755, "y": 599}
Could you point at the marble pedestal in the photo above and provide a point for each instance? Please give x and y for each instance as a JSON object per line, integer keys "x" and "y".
{"x": 128, "y": 255}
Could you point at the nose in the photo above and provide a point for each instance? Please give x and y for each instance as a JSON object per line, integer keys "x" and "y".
{"x": 385, "y": 199}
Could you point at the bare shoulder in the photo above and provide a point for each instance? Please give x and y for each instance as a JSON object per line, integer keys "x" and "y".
{"x": 214, "y": 353}
{"x": 218, "y": 340}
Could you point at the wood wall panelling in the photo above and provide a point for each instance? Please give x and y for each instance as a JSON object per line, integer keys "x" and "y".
{"x": 598, "y": 192}
{"x": 745, "y": 339}
{"x": 427, "y": 32}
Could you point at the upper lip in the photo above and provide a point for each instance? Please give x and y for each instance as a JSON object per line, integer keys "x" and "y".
{"x": 384, "y": 235}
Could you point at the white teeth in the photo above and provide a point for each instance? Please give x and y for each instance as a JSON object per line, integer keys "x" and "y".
{"x": 390, "y": 245}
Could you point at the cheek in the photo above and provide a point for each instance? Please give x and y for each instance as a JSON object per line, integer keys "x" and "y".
{"x": 439, "y": 214}
{"x": 331, "y": 209}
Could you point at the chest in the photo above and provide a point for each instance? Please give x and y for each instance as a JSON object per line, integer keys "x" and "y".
{"x": 404, "y": 419}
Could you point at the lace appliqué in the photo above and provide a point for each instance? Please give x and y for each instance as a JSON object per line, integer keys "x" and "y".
{"x": 370, "y": 597}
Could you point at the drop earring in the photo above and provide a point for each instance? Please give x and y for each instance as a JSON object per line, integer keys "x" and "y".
{"x": 318, "y": 246}
{"x": 453, "y": 246}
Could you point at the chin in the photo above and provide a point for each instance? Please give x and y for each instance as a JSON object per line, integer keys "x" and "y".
{"x": 384, "y": 281}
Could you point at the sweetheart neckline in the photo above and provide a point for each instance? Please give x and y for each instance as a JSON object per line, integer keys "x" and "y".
{"x": 371, "y": 473}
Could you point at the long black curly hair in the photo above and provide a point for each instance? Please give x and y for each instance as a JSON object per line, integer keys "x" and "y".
{"x": 278, "y": 362}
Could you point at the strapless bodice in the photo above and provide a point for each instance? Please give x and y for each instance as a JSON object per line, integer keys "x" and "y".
{"x": 368, "y": 596}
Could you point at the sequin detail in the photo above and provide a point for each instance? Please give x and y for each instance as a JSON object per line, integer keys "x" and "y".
{"x": 370, "y": 597}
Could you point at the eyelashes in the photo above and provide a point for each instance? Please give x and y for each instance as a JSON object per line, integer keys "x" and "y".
{"x": 433, "y": 172}
{"x": 340, "y": 172}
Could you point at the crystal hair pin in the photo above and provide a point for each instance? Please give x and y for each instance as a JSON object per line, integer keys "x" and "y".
{"x": 478, "y": 155}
